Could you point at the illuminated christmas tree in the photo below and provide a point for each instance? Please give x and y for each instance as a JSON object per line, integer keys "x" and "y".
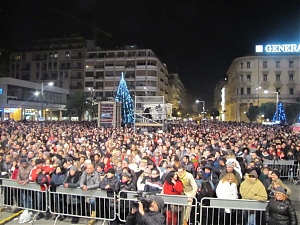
{"x": 281, "y": 114}
{"x": 124, "y": 97}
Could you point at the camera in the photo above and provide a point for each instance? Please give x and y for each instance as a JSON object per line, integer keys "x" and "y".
{"x": 145, "y": 198}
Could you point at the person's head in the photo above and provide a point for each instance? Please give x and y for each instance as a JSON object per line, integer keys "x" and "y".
{"x": 24, "y": 162}
{"x": 73, "y": 170}
{"x": 157, "y": 204}
{"x": 172, "y": 175}
{"x": 90, "y": 168}
{"x": 154, "y": 174}
{"x": 110, "y": 173}
{"x": 100, "y": 167}
{"x": 265, "y": 170}
{"x": 185, "y": 159}
{"x": 253, "y": 176}
{"x": 280, "y": 194}
{"x": 230, "y": 166}
{"x": 229, "y": 177}
{"x": 126, "y": 177}
{"x": 39, "y": 163}
{"x": 275, "y": 175}
{"x": 180, "y": 170}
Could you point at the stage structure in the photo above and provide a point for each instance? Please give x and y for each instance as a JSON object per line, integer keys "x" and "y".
{"x": 150, "y": 111}
{"x": 109, "y": 114}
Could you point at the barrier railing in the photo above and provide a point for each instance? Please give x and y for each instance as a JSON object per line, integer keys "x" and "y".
{"x": 225, "y": 211}
{"x": 105, "y": 206}
{"x": 74, "y": 202}
{"x": 177, "y": 207}
{"x": 29, "y": 196}
{"x": 288, "y": 168}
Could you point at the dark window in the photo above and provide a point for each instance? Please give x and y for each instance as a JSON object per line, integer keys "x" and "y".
{"x": 248, "y": 64}
{"x": 242, "y": 91}
{"x": 291, "y": 64}
{"x": 277, "y": 77}
{"x": 291, "y": 77}
{"x": 265, "y": 77}
{"x": 242, "y": 65}
{"x": 248, "y": 91}
{"x": 265, "y": 65}
{"x": 248, "y": 77}
{"x": 291, "y": 91}
{"x": 277, "y": 64}
{"x": 242, "y": 78}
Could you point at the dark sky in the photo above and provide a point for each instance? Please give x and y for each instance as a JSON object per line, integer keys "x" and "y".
{"x": 197, "y": 39}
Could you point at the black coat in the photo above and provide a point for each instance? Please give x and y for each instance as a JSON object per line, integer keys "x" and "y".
{"x": 281, "y": 212}
{"x": 150, "y": 218}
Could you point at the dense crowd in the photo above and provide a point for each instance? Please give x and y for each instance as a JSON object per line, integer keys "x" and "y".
{"x": 221, "y": 159}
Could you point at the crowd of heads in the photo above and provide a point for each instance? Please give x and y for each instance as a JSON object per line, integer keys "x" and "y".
{"x": 204, "y": 150}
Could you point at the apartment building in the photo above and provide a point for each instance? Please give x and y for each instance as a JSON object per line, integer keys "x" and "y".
{"x": 250, "y": 76}
{"x": 144, "y": 73}
{"x": 177, "y": 92}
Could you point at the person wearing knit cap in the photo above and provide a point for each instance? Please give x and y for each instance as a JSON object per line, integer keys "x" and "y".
{"x": 72, "y": 181}
{"x": 110, "y": 183}
{"x": 280, "y": 210}
{"x": 230, "y": 168}
{"x": 253, "y": 189}
{"x": 276, "y": 182}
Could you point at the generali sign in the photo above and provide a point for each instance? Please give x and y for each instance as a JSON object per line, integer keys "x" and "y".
{"x": 284, "y": 48}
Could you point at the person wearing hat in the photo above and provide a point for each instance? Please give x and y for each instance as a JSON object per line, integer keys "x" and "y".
{"x": 110, "y": 183}
{"x": 280, "y": 210}
{"x": 23, "y": 179}
{"x": 151, "y": 217}
{"x": 253, "y": 189}
{"x": 276, "y": 182}
{"x": 230, "y": 165}
{"x": 72, "y": 181}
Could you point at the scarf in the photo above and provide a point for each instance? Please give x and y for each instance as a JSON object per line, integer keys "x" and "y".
{"x": 184, "y": 179}
{"x": 76, "y": 178}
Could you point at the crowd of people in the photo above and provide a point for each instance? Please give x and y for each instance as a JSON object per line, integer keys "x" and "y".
{"x": 220, "y": 159}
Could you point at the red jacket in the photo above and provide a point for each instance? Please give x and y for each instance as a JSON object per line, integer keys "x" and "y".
{"x": 33, "y": 174}
{"x": 173, "y": 189}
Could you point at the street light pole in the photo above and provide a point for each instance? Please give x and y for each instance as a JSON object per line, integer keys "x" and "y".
{"x": 42, "y": 106}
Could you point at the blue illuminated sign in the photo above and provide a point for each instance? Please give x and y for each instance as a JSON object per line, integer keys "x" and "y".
{"x": 0, "y": 91}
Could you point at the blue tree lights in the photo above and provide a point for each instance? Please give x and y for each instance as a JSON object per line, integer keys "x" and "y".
{"x": 123, "y": 96}
{"x": 281, "y": 114}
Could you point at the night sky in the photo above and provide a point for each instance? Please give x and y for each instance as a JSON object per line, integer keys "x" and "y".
{"x": 196, "y": 39}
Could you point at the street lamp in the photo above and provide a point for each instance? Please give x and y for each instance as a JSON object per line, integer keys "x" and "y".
{"x": 146, "y": 91}
{"x": 42, "y": 101}
{"x": 274, "y": 92}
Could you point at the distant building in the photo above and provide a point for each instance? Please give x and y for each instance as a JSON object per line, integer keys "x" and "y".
{"x": 249, "y": 76}
{"x": 220, "y": 94}
{"x": 144, "y": 73}
{"x": 177, "y": 92}
{"x": 18, "y": 100}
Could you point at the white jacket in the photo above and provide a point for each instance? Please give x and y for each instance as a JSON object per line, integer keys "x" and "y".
{"x": 226, "y": 190}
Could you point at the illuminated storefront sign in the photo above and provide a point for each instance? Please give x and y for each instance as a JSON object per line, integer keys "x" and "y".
{"x": 285, "y": 48}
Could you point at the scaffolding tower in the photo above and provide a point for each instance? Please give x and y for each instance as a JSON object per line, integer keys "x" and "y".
{"x": 150, "y": 111}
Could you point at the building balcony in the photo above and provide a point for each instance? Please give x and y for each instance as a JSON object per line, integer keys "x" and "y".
{"x": 250, "y": 96}
{"x": 76, "y": 57}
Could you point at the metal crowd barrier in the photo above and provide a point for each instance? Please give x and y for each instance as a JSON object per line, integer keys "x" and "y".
{"x": 228, "y": 211}
{"x": 287, "y": 168}
{"x": 176, "y": 206}
{"x": 29, "y": 196}
{"x": 74, "y": 202}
